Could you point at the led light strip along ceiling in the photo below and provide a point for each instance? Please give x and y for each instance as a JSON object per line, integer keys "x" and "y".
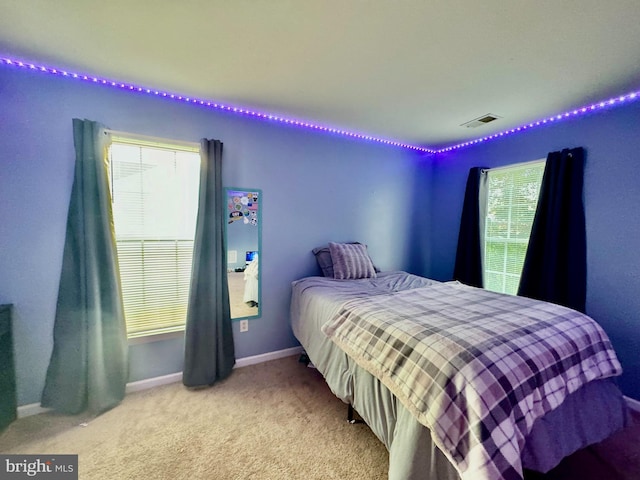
{"x": 209, "y": 104}
{"x": 555, "y": 118}
{"x": 314, "y": 126}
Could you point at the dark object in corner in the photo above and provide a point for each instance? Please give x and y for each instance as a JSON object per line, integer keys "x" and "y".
{"x": 8, "y": 407}
{"x": 304, "y": 358}
{"x": 350, "y": 415}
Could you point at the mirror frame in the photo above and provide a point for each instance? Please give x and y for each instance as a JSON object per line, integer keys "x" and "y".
{"x": 258, "y": 191}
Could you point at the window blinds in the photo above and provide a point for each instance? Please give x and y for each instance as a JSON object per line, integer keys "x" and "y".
{"x": 512, "y": 198}
{"x": 155, "y": 202}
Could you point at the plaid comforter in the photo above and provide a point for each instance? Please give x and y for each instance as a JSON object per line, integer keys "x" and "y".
{"x": 475, "y": 367}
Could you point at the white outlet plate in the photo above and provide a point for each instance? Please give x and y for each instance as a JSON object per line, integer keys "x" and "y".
{"x": 244, "y": 325}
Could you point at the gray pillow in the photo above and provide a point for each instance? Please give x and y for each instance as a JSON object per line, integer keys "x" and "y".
{"x": 351, "y": 261}
{"x": 323, "y": 257}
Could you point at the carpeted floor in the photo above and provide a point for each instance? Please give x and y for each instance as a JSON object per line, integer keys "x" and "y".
{"x": 276, "y": 420}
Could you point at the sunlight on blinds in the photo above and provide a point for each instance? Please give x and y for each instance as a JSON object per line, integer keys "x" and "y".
{"x": 512, "y": 198}
{"x": 155, "y": 202}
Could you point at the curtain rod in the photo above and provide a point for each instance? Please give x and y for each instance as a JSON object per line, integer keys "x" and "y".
{"x": 149, "y": 138}
{"x": 515, "y": 165}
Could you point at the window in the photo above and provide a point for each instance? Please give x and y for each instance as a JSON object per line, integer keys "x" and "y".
{"x": 511, "y": 201}
{"x": 155, "y": 202}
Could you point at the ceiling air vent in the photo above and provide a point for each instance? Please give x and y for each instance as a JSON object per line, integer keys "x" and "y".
{"x": 483, "y": 120}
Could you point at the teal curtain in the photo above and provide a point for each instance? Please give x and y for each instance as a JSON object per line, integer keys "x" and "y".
{"x": 209, "y": 353}
{"x": 88, "y": 370}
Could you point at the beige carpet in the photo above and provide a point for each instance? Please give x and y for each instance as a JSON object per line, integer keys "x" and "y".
{"x": 276, "y": 420}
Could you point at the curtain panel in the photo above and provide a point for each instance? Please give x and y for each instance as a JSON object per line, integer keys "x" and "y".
{"x": 209, "y": 349}
{"x": 88, "y": 369}
{"x": 555, "y": 266}
{"x": 468, "y": 266}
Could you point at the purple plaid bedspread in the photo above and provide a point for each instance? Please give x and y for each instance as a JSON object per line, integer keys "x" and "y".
{"x": 475, "y": 367}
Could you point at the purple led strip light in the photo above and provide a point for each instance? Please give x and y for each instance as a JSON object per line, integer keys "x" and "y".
{"x": 555, "y": 118}
{"x": 210, "y": 104}
{"x": 313, "y": 126}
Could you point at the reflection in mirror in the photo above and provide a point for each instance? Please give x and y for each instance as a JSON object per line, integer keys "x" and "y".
{"x": 243, "y": 250}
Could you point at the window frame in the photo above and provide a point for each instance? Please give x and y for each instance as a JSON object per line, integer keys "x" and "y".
{"x": 175, "y": 146}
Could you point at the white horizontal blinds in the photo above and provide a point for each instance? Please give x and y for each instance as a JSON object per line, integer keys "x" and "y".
{"x": 512, "y": 198}
{"x": 155, "y": 202}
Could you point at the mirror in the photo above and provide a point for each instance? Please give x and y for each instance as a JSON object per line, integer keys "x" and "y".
{"x": 244, "y": 244}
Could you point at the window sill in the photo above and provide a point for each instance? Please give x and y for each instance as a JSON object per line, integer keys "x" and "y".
{"x": 155, "y": 337}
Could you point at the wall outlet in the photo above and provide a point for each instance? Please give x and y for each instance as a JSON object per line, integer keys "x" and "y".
{"x": 244, "y": 325}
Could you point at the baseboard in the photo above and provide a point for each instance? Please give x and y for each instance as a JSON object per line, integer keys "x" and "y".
{"x": 148, "y": 383}
{"x": 633, "y": 404}
{"x": 31, "y": 409}
{"x": 240, "y": 362}
{"x": 266, "y": 357}
{"x": 36, "y": 408}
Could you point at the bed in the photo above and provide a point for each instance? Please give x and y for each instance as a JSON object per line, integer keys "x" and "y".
{"x": 492, "y": 418}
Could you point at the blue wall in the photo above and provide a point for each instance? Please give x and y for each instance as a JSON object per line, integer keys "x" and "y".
{"x": 316, "y": 188}
{"x": 612, "y": 208}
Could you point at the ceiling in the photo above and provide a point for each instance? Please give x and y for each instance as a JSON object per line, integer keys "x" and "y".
{"x": 407, "y": 70}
